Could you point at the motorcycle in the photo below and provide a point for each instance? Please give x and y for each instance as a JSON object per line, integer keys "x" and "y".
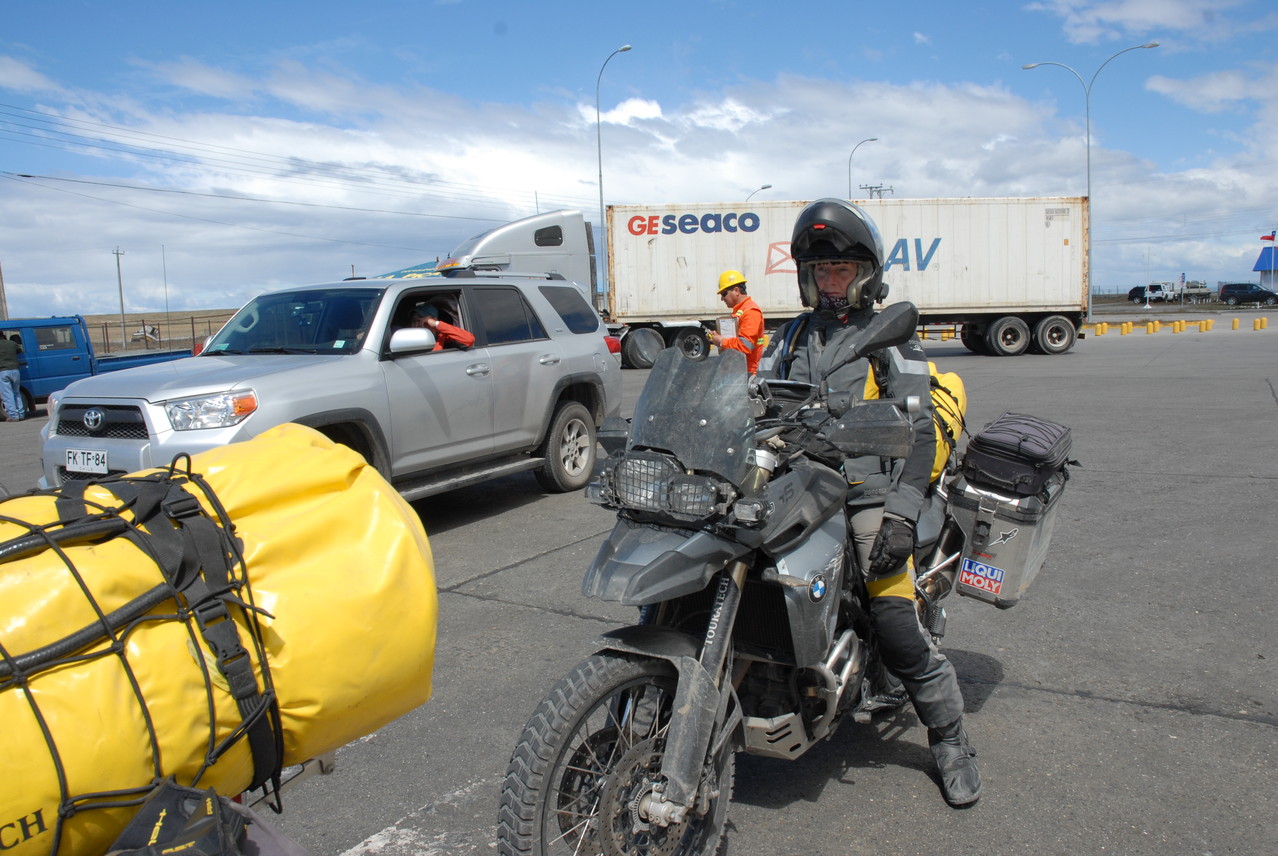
{"x": 753, "y": 632}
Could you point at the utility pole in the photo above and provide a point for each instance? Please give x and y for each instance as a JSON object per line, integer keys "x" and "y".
{"x": 875, "y": 190}
{"x": 4, "y": 302}
{"x": 119, "y": 280}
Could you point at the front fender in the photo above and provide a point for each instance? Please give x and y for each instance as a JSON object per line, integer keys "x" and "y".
{"x": 697, "y": 703}
{"x": 638, "y": 565}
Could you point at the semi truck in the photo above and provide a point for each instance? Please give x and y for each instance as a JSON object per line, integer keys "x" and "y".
{"x": 1010, "y": 274}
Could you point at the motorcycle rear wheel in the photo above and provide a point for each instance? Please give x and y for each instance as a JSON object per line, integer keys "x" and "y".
{"x": 586, "y": 758}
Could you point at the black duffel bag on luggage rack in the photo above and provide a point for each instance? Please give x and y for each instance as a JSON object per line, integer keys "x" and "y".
{"x": 1017, "y": 453}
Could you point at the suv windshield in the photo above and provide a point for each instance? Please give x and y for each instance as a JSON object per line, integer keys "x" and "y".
{"x": 315, "y": 321}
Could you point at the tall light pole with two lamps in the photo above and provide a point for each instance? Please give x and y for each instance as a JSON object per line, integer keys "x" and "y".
{"x": 854, "y": 148}
{"x": 603, "y": 227}
{"x": 1087, "y": 109}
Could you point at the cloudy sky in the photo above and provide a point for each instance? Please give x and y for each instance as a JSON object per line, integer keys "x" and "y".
{"x": 229, "y": 148}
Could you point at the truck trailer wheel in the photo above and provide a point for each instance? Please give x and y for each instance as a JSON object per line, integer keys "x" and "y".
{"x": 1054, "y": 335}
{"x": 973, "y": 340}
{"x": 1008, "y": 336}
{"x": 640, "y": 348}
{"x": 693, "y": 344}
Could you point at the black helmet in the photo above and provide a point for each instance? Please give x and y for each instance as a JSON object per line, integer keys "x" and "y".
{"x": 836, "y": 230}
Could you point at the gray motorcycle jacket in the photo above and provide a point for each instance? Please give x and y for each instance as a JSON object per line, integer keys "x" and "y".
{"x": 899, "y": 371}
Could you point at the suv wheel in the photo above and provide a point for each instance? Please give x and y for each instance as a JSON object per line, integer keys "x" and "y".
{"x": 1231, "y": 301}
{"x": 569, "y": 449}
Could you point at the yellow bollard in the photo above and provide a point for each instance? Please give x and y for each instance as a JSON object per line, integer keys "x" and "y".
{"x": 1149, "y": 328}
{"x": 1235, "y": 325}
{"x": 1122, "y": 329}
{"x": 1264, "y": 322}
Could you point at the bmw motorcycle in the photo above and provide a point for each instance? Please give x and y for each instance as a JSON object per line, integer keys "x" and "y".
{"x": 753, "y": 631}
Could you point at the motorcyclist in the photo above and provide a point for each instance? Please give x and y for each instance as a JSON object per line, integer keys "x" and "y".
{"x": 839, "y": 255}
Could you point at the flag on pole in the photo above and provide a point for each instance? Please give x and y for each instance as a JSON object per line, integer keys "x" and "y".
{"x": 1269, "y": 237}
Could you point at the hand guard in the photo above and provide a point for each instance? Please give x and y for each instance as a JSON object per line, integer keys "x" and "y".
{"x": 892, "y": 546}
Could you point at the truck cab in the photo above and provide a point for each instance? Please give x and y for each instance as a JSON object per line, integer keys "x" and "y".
{"x": 55, "y": 351}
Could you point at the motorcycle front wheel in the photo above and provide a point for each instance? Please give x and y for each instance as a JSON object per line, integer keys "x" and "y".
{"x": 587, "y": 759}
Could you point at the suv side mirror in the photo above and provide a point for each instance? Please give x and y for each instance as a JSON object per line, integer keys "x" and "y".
{"x": 412, "y": 339}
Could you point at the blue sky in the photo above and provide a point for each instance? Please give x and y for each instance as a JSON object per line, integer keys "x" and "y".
{"x": 234, "y": 147}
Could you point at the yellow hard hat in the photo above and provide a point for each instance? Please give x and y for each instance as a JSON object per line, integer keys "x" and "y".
{"x": 729, "y": 278}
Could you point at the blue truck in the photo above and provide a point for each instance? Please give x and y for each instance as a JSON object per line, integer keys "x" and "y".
{"x": 58, "y": 350}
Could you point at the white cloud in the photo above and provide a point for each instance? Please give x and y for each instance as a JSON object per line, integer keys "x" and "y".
{"x": 21, "y": 77}
{"x": 190, "y": 74}
{"x": 1210, "y": 93}
{"x": 1091, "y": 21}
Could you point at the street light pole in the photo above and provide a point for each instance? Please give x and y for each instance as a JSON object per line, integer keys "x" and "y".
{"x": 756, "y": 190}
{"x": 603, "y": 229}
{"x": 1087, "y": 112}
{"x": 854, "y": 148}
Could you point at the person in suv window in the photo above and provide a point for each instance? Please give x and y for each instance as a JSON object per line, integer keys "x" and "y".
{"x": 446, "y": 335}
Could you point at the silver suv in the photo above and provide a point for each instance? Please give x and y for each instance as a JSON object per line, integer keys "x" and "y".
{"x": 343, "y": 358}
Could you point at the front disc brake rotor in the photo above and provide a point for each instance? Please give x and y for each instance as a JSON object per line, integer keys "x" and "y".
{"x": 625, "y": 832}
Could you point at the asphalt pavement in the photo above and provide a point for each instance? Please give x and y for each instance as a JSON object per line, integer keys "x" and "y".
{"x": 1128, "y": 704}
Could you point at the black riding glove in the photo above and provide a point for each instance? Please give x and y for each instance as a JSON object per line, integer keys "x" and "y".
{"x": 892, "y": 546}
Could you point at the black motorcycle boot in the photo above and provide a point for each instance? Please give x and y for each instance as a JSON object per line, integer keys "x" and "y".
{"x": 956, "y": 761}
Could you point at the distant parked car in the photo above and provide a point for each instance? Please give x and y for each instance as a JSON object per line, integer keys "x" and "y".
{"x": 1233, "y": 293}
{"x": 1155, "y": 293}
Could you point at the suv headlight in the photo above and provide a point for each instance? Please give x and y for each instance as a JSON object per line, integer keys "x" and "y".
{"x": 211, "y": 411}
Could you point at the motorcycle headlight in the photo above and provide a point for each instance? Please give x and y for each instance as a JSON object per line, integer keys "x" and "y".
{"x": 657, "y": 484}
{"x": 642, "y": 482}
{"x": 211, "y": 411}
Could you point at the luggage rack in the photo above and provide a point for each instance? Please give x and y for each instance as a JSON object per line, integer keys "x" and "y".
{"x": 320, "y": 765}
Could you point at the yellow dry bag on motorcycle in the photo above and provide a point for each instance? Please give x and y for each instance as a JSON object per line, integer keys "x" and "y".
{"x": 250, "y": 607}
{"x": 949, "y": 408}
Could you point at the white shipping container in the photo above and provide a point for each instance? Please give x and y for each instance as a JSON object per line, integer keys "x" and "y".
{"x": 954, "y": 258}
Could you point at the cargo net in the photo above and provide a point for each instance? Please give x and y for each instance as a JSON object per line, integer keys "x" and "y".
{"x": 200, "y": 580}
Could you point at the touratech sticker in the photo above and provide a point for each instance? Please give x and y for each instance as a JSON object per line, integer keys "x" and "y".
{"x": 816, "y": 588}
{"x": 986, "y": 578}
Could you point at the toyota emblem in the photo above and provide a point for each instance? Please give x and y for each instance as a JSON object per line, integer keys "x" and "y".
{"x": 93, "y": 418}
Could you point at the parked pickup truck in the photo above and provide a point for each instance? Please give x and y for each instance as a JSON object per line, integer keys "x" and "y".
{"x": 1170, "y": 292}
{"x": 57, "y": 351}
{"x": 347, "y": 359}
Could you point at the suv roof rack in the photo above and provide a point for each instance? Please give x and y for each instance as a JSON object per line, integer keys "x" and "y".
{"x": 468, "y": 273}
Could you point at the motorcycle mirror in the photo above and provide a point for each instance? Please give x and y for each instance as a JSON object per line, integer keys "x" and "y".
{"x": 612, "y": 435}
{"x": 891, "y": 326}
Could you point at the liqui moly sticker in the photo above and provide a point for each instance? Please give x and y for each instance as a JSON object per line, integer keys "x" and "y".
{"x": 987, "y": 578}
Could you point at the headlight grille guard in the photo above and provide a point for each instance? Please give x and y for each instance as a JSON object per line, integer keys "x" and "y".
{"x": 654, "y": 484}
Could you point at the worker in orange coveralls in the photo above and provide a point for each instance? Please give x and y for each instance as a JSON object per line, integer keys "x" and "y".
{"x": 749, "y": 338}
